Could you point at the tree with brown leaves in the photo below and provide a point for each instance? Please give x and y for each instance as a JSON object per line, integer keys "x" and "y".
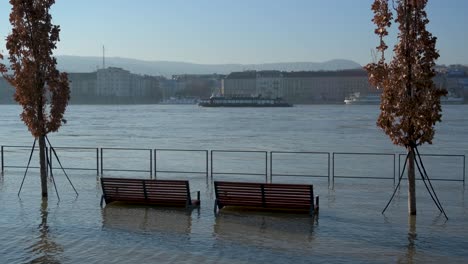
{"x": 410, "y": 102}
{"x": 41, "y": 89}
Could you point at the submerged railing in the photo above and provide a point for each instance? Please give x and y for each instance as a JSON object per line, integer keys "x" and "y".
{"x": 127, "y": 150}
{"x": 307, "y": 174}
{"x": 180, "y": 162}
{"x": 433, "y": 171}
{"x": 75, "y": 150}
{"x": 245, "y": 173}
{"x": 271, "y": 165}
{"x": 357, "y": 162}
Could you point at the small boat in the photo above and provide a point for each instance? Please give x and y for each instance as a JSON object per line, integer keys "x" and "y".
{"x": 243, "y": 101}
{"x": 357, "y": 98}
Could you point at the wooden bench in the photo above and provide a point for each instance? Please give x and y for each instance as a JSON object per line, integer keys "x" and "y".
{"x": 294, "y": 197}
{"x": 152, "y": 192}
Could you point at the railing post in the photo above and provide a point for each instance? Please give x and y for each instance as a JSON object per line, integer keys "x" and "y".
{"x": 102, "y": 161}
{"x": 266, "y": 166}
{"x": 328, "y": 169}
{"x": 211, "y": 163}
{"x": 271, "y": 166}
{"x": 151, "y": 163}
{"x": 464, "y": 169}
{"x": 97, "y": 161}
{"x": 206, "y": 152}
{"x": 333, "y": 169}
{"x": 2, "y": 161}
{"x": 155, "y": 164}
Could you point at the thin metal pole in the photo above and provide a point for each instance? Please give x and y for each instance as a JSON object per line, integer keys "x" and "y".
{"x": 102, "y": 161}
{"x": 97, "y": 161}
{"x": 211, "y": 159}
{"x": 271, "y": 166}
{"x": 151, "y": 163}
{"x": 329, "y": 170}
{"x": 2, "y": 161}
{"x": 398, "y": 186}
{"x": 429, "y": 181}
{"x": 399, "y": 164}
{"x": 27, "y": 167}
{"x": 266, "y": 166}
{"x": 60, "y": 163}
{"x": 206, "y": 152}
{"x": 464, "y": 170}
{"x": 394, "y": 171}
{"x": 333, "y": 169}
{"x": 155, "y": 164}
{"x": 50, "y": 162}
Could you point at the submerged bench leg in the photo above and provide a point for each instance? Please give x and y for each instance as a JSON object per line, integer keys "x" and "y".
{"x": 215, "y": 206}
{"x": 102, "y": 200}
{"x": 316, "y": 204}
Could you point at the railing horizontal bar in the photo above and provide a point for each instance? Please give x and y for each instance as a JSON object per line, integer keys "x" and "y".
{"x": 240, "y": 151}
{"x": 20, "y": 167}
{"x": 361, "y": 177}
{"x": 125, "y": 170}
{"x": 198, "y": 172}
{"x": 127, "y": 149}
{"x": 439, "y": 179}
{"x": 240, "y": 173}
{"x": 28, "y": 147}
{"x": 437, "y": 155}
{"x": 76, "y": 169}
{"x": 305, "y": 176}
{"x": 298, "y": 152}
{"x": 364, "y": 153}
{"x": 194, "y": 150}
{"x": 75, "y": 148}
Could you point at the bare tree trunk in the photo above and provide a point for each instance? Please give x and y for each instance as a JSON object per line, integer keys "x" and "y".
{"x": 411, "y": 183}
{"x": 42, "y": 161}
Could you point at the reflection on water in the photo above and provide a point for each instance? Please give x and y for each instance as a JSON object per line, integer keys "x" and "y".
{"x": 351, "y": 228}
{"x": 146, "y": 219}
{"x": 412, "y": 237}
{"x": 45, "y": 249}
{"x": 284, "y": 231}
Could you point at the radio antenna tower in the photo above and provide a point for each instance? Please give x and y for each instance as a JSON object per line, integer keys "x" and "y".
{"x": 103, "y": 57}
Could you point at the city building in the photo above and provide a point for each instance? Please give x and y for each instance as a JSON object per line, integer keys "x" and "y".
{"x": 298, "y": 87}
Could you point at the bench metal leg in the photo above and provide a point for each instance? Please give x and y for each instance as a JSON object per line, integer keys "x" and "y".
{"x": 102, "y": 200}
{"x": 215, "y": 207}
{"x": 317, "y": 204}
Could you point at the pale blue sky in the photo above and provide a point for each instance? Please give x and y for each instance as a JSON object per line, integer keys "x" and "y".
{"x": 237, "y": 31}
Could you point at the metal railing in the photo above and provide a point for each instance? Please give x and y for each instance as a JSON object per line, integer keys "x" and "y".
{"x": 150, "y": 170}
{"x": 179, "y": 171}
{"x": 272, "y": 174}
{"x": 210, "y": 158}
{"x": 335, "y": 154}
{"x": 437, "y": 155}
{"x": 3, "y": 151}
{"x": 240, "y": 173}
{"x": 96, "y": 150}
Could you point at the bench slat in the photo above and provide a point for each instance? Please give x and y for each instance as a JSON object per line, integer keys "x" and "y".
{"x": 264, "y": 195}
{"x": 145, "y": 191}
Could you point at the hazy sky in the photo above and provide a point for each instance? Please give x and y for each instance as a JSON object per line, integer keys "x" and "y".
{"x": 237, "y": 31}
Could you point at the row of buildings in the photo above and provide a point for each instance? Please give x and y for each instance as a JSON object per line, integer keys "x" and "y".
{"x": 116, "y": 85}
{"x": 298, "y": 87}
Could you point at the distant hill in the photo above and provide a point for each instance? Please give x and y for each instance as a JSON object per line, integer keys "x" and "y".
{"x": 168, "y": 68}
